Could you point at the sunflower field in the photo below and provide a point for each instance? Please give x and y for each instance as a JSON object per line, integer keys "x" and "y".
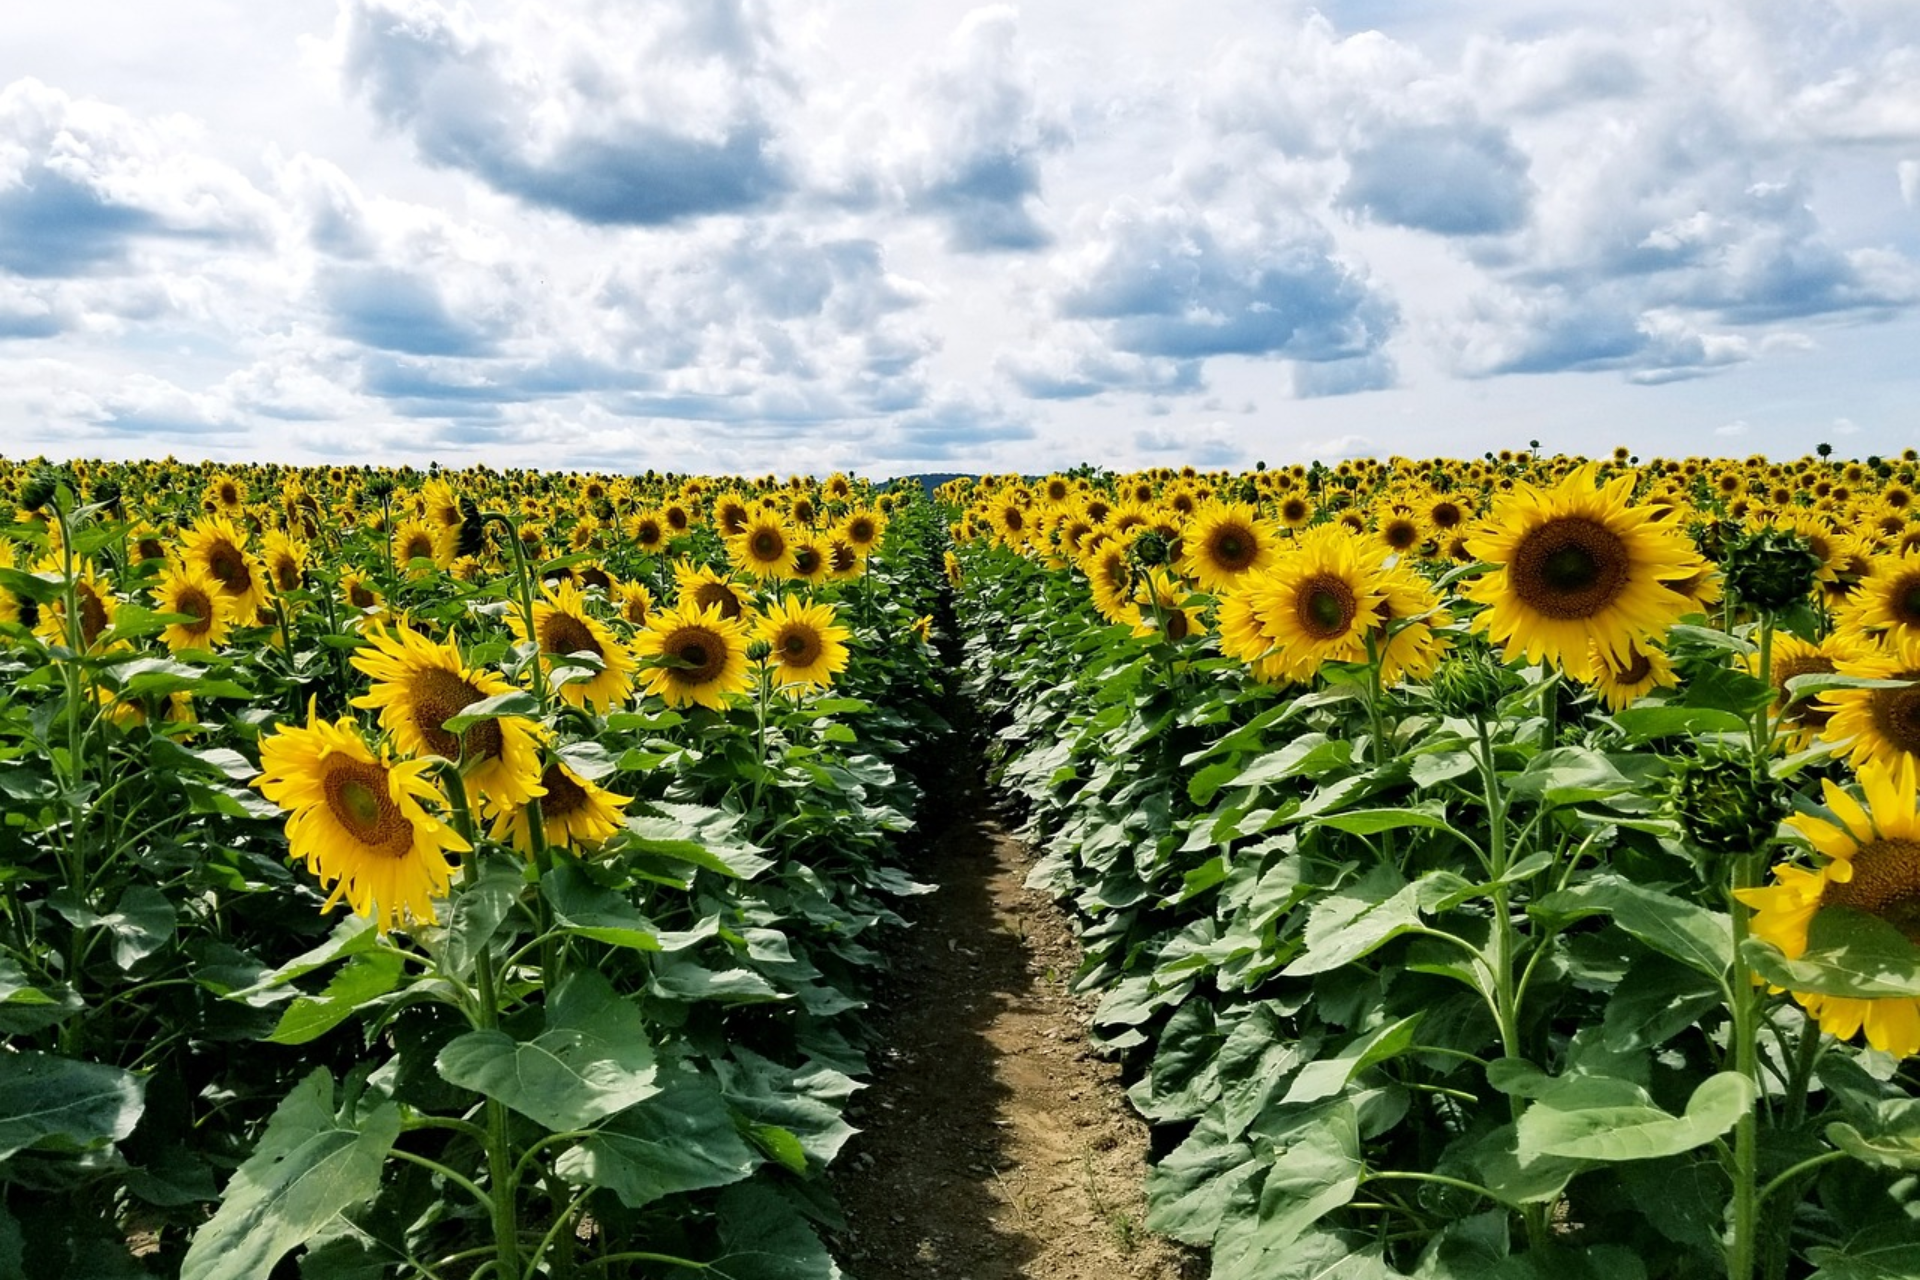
{"x": 445, "y": 874}
{"x": 1505, "y": 868}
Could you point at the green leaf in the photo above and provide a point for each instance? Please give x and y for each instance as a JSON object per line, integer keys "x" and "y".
{"x": 703, "y": 837}
{"x": 1643, "y": 724}
{"x": 350, "y": 937}
{"x": 1570, "y": 775}
{"x": 141, "y": 923}
{"x": 1691, "y": 934}
{"x": 1346, "y": 925}
{"x": 1366, "y": 822}
{"x": 1597, "y": 1118}
{"x": 476, "y": 913}
{"x": 1325, "y": 1077}
{"x": 514, "y": 702}
{"x": 1310, "y": 755}
{"x": 780, "y": 1145}
{"x": 586, "y": 908}
{"x": 763, "y": 1237}
{"x": 808, "y": 1102}
{"x": 1849, "y": 953}
{"x": 1189, "y": 1190}
{"x": 57, "y": 1104}
{"x": 1319, "y": 1171}
{"x": 683, "y": 1139}
{"x": 1255, "y": 1059}
{"x": 312, "y": 1164}
{"x": 1657, "y": 1000}
{"x": 1894, "y": 1140}
{"x": 365, "y": 978}
{"x": 1888, "y": 1252}
{"x": 593, "y": 1059}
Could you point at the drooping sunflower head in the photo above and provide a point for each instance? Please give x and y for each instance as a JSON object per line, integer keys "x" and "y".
{"x": 1223, "y": 541}
{"x": 1578, "y": 567}
{"x": 805, "y": 646}
{"x": 1873, "y": 853}
{"x": 364, "y": 823}
{"x": 575, "y": 813}
{"x": 700, "y": 655}
{"x": 185, "y": 590}
{"x": 1619, "y": 683}
{"x": 636, "y": 602}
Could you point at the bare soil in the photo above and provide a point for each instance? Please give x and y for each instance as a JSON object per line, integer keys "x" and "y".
{"x": 995, "y": 1144}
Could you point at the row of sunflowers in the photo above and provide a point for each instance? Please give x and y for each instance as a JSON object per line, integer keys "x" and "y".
{"x": 1505, "y": 867}
{"x": 446, "y": 874}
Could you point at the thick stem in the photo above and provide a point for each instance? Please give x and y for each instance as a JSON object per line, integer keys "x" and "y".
{"x": 1744, "y": 1171}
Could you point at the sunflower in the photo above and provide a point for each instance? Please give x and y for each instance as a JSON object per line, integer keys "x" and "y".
{"x": 15, "y": 609}
{"x": 1887, "y": 601}
{"x": 189, "y": 591}
{"x": 1646, "y": 668}
{"x": 1400, "y": 531}
{"x": 1803, "y": 719}
{"x": 1008, "y": 515}
{"x": 1578, "y": 568}
{"x": 707, "y": 589}
{"x": 764, "y": 548}
{"x": 807, "y": 647}
{"x": 731, "y": 513}
{"x": 636, "y": 602}
{"x": 1407, "y": 640}
{"x": 1878, "y": 725}
{"x": 1109, "y": 572}
{"x": 862, "y": 530}
{"x": 646, "y": 530}
{"x": 286, "y": 562}
{"x": 574, "y": 813}
{"x": 419, "y": 685}
{"x": 94, "y": 599}
{"x": 1294, "y": 511}
{"x": 356, "y": 591}
{"x": 1320, "y": 600}
{"x": 225, "y": 494}
{"x": 1873, "y": 866}
{"x": 1224, "y": 541}
{"x": 812, "y": 563}
{"x": 564, "y": 627}
{"x": 415, "y": 540}
{"x": 1159, "y": 598}
{"x": 951, "y": 564}
{"x": 360, "y": 820}
{"x": 219, "y": 550}
{"x": 705, "y": 655}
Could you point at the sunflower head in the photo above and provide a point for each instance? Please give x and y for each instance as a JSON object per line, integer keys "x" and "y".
{"x": 699, "y": 655}
{"x": 1223, "y": 541}
{"x": 805, "y": 646}
{"x": 185, "y": 590}
{"x": 764, "y": 547}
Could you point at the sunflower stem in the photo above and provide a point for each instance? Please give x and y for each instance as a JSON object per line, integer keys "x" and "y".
{"x": 523, "y": 592}
{"x": 1744, "y": 1173}
{"x": 506, "y": 1227}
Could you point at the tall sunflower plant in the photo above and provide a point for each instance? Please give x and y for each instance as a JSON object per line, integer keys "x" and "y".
{"x": 1427, "y": 964}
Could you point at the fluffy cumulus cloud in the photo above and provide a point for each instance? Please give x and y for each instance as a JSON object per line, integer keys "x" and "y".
{"x": 614, "y": 114}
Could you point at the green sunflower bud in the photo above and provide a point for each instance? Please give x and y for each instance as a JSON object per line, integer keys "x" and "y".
{"x": 1150, "y": 550}
{"x": 41, "y": 487}
{"x": 1770, "y": 569}
{"x": 759, "y": 651}
{"x": 1726, "y": 807}
{"x": 1466, "y": 685}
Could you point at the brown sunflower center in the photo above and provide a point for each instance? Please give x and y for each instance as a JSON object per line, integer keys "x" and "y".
{"x": 93, "y": 615}
{"x": 564, "y": 797}
{"x": 418, "y": 547}
{"x": 360, "y": 597}
{"x": 704, "y": 653}
{"x": 710, "y": 594}
{"x": 228, "y": 564}
{"x": 1014, "y": 521}
{"x": 1896, "y": 714}
{"x": 594, "y": 576}
{"x": 1232, "y": 547}
{"x": 564, "y": 633}
{"x": 1638, "y": 669}
{"x": 149, "y": 549}
{"x": 439, "y": 695}
{"x": 1178, "y": 627}
{"x": 1401, "y": 534}
{"x": 194, "y": 601}
{"x": 860, "y": 530}
{"x": 798, "y": 645}
{"x": 768, "y": 545}
{"x": 1570, "y": 568}
{"x": 1446, "y": 515}
{"x": 1886, "y": 882}
{"x": 844, "y": 558}
{"x": 1325, "y": 606}
{"x": 1904, "y": 600}
{"x": 806, "y": 561}
{"x": 286, "y": 573}
{"x": 1808, "y": 711}
{"x": 1293, "y": 511}
{"x": 357, "y": 797}
{"x": 648, "y": 534}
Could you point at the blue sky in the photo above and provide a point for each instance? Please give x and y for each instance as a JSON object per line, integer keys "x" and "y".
{"x": 750, "y": 235}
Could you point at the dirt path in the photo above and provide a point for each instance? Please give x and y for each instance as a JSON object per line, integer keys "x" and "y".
{"x": 995, "y": 1145}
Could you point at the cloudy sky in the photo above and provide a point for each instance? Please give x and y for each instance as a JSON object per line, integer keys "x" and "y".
{"x": 801, "y": 235}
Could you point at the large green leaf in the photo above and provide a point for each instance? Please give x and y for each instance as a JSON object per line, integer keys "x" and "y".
{"x": 763, "y": 1237}
{"x": 683, "y": 1139}
{"x": 57, "y": 1104}
{"x": 1348, "y": 924}
{"x": 1600, "y": 1118}
{"x": 704, "y": 837}
{"x": 592, "y": 1060}
{"x": 593, "y": 911}
{"x": 1319, "y": 1171}
{"x": 808, "y": 1102}
{"x": 1689, "y": 933}
{"x": 1882, "y": 1253}
{"x": 476, "y": 913}
{"x": 1891, "y": 1141}
{"x": 312, "y": 1164}
{"x": 364, "y": 978}
{"x": 1325, "y": 1077}
{"x": 1849, "y": 953}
